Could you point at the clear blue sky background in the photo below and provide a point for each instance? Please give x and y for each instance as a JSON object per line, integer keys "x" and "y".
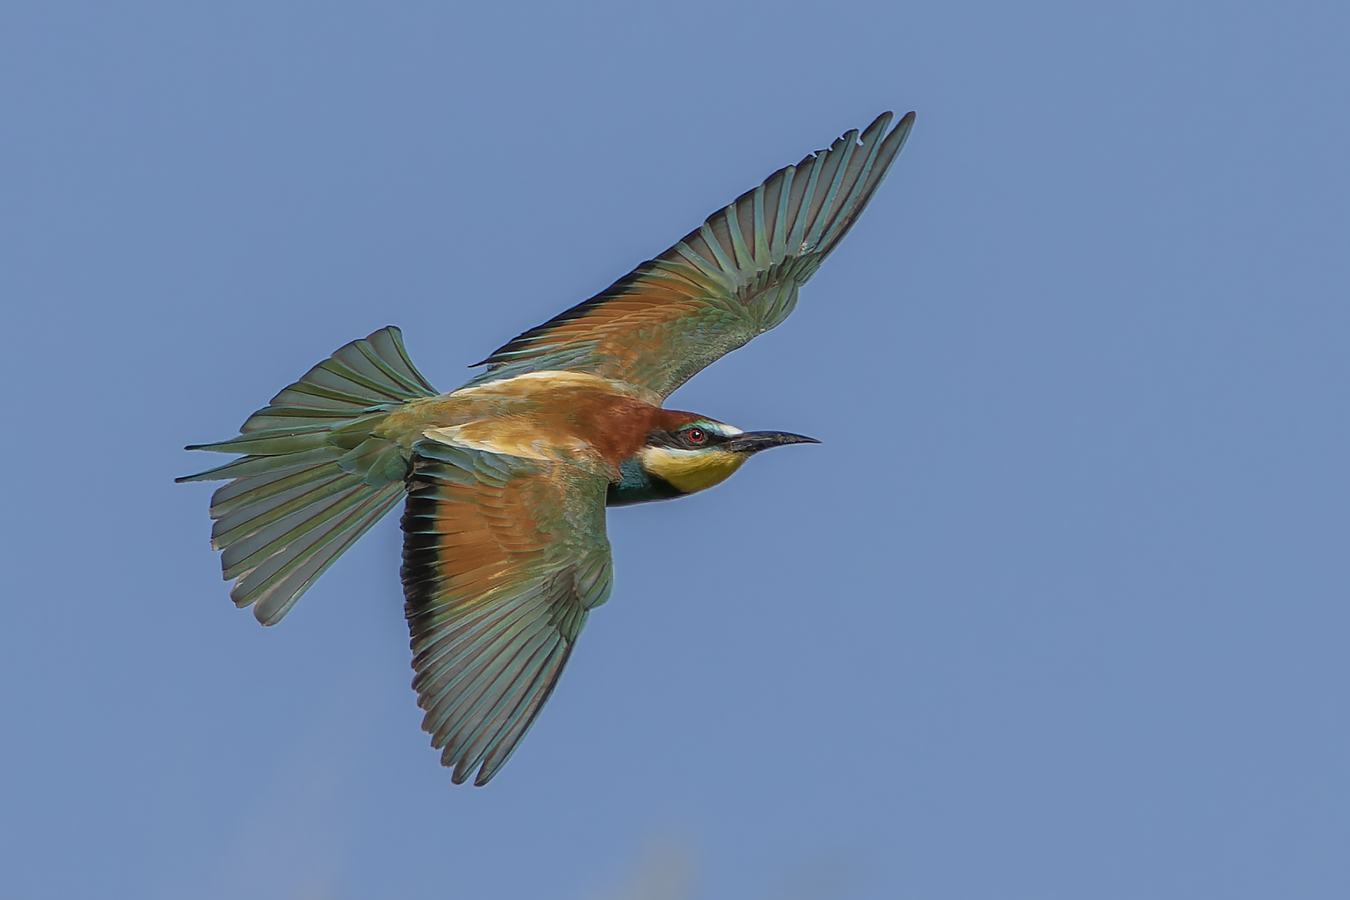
{"x": 1058, "y": 610}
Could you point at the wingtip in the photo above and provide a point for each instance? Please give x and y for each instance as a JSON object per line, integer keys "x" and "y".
{"x": 881, "y": 127}
{"x": 906, "y": 121}
{"x": 898, "y": 136}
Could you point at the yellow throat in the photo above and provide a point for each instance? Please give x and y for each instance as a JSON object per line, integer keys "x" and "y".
{"x": 691, "y": 470}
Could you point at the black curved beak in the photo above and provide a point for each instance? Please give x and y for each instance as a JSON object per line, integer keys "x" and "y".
{"x": 755, "y": 441}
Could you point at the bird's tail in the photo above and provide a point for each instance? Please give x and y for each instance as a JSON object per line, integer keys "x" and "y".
{"x": 315, "y": 476}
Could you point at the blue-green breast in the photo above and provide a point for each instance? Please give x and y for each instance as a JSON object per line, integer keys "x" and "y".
{"x": 639, "y": 486}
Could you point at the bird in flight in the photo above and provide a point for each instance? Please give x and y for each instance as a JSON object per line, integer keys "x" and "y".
{"x": 506, "y": 479}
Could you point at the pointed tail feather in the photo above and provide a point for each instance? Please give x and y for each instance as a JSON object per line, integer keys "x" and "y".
{"x": 314, "y": 476}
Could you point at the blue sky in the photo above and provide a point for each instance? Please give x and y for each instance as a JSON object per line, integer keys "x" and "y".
{"x": 1057, "y": 610}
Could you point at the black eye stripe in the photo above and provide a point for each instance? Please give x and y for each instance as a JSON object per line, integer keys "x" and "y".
{"x": 680, "y": 440}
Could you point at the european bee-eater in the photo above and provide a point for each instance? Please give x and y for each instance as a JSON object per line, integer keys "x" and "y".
{"x": 507, "y": 478}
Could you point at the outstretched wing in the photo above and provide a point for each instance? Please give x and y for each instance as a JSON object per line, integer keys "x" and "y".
{"x": 503, "y": 558}
{"x": 732, "y": 279}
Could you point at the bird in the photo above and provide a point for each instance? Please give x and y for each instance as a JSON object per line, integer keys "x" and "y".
{"x": 505, "y": 480}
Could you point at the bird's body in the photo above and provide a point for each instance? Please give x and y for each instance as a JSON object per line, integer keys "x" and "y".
{"x": 591, "y": 422}
{"x": 506, "y": 479}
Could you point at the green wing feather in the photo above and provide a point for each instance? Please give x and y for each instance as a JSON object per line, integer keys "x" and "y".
{"x": 733, "y": 278}
{"x": 504, "y": 558}
{"x": 314, "y": 476}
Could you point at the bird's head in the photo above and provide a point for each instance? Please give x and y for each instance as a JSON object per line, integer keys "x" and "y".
{"x": 691, "y": 456}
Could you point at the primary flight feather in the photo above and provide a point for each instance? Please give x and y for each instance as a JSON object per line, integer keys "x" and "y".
{"x": 506, "y": 479}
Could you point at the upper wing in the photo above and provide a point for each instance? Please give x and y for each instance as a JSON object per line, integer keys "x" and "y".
{"x": 734, "y": 278}
{"x": 503, "y": 558}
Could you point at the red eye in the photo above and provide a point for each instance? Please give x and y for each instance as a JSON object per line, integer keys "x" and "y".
{"x": 696, "y": 435}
